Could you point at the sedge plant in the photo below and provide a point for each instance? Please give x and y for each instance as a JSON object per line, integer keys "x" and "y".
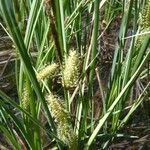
{"x": 55, "y": 87}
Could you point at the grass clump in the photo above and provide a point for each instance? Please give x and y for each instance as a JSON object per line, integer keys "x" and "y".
{"x": 44, "y": 32}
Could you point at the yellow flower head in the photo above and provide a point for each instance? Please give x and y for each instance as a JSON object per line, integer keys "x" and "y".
{"x": 144, "y": 23}
{"x": 46, "y": 72}
{"x": 25, "y": 98}
{"x": 71, "y": 70}
{"x": 66, "y": 134}
{"x": 146, "y": 17}
{"x": 57, "y": 109}
{"x": 61, "y": 115}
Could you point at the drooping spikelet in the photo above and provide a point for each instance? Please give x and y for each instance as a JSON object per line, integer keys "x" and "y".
{"x": 71, "y": 70}
{"x": 47, "y": 71}
{"x": 25, "y": 98}
{"x": 145, "y": 23}
{"x": 67, "y": 135}
{"x": 57, "y": 109}
{"x": 64, "y": 128}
